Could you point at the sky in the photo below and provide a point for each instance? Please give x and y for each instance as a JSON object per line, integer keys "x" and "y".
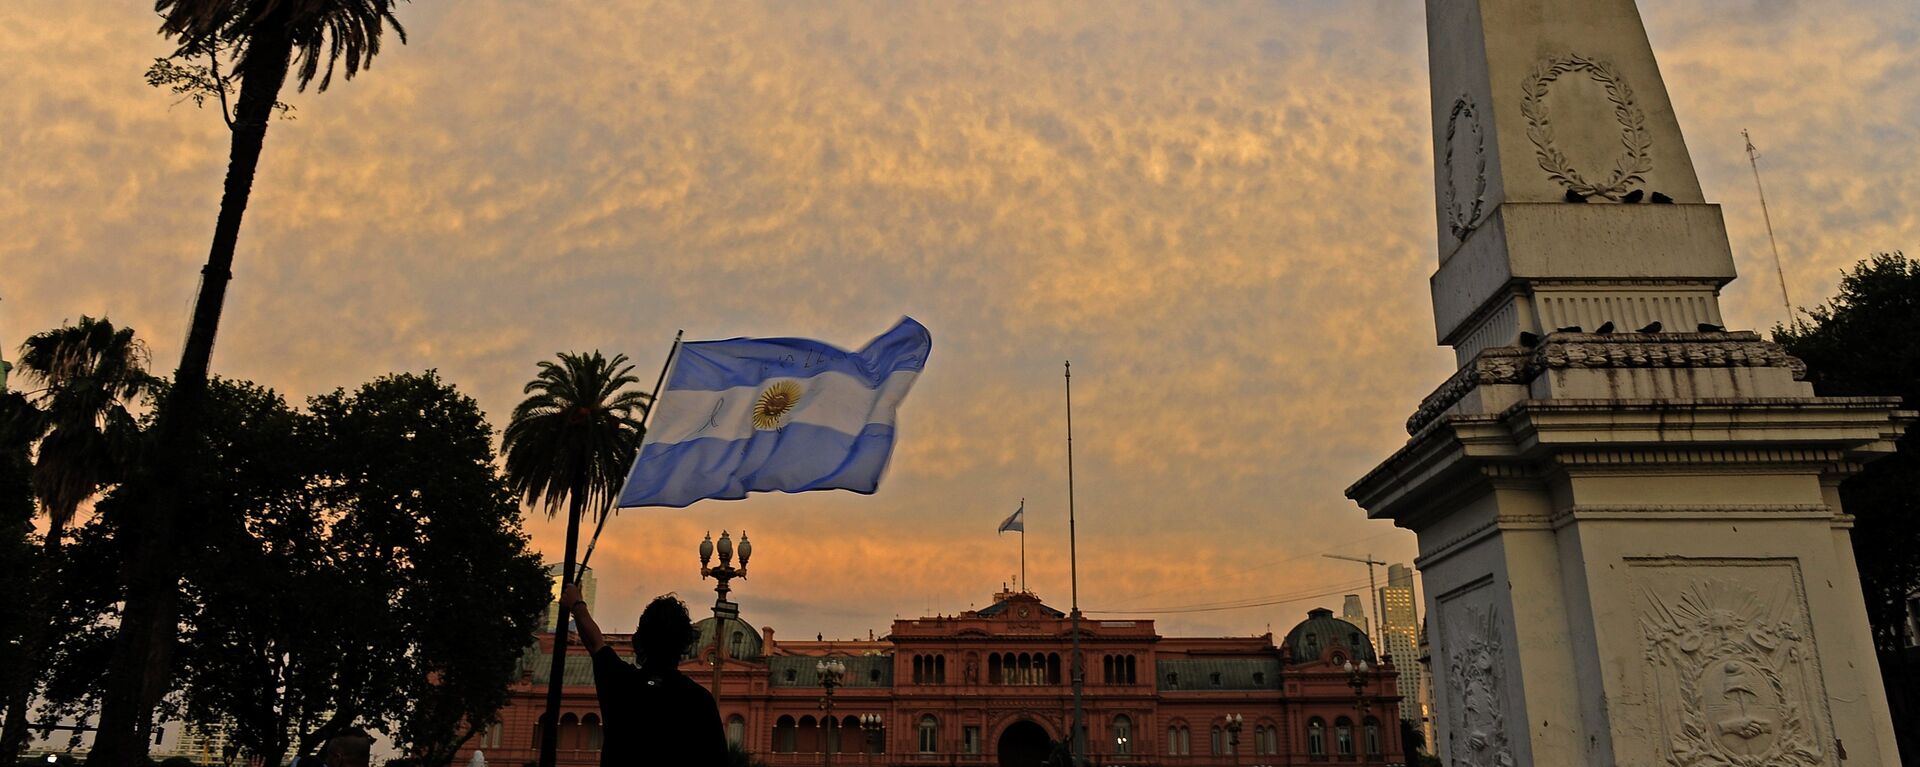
{"x": 1221, "y": 212}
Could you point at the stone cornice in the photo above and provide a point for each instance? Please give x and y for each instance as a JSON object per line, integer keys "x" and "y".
{"x": 1519, "y": 365}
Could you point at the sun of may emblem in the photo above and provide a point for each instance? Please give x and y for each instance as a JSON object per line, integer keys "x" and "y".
{"x": 776, "y": 403}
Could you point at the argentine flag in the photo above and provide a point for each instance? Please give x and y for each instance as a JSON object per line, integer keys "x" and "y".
{"x": 1016, "y": 521}
{"x": 789, "y": 414}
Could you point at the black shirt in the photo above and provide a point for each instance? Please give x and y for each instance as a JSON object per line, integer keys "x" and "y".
{"x": 655, "y": 716}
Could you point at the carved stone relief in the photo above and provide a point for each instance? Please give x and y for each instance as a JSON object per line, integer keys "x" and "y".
{"x": 1465, "y": 136}
{"x": 1635, "y": 159}
{"x": 1731, "y": 671}
{"x": 1476, "y": 688}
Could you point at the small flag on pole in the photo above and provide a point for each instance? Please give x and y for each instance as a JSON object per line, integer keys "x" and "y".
{"x": 749, "y": 415}
{"x": 1017, "y": 522}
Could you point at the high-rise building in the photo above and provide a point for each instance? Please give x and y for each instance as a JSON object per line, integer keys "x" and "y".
{"x": 588, "y": 586}
{"x": 1400, "y": 638}
{"x": 1354, "y": 611}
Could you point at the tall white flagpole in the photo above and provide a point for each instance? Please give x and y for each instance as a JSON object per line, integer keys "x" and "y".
{"x": 1023, "y": 545}
{"x": 1079, "y": 739}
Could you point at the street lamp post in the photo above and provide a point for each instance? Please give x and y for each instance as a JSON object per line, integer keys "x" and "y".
{"x": 723, "y": 577}
{"x": 1357, "y": 679}
{"x": 1233, "y": 736}
{"x": 873, "y": 725}
{"x": 830, "y": 671}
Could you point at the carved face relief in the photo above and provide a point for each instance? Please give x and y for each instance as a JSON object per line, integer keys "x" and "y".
{"x": 1634, "y": 157}
{"x": 1730, "y": 669}
{"x": 1463, "y": 168}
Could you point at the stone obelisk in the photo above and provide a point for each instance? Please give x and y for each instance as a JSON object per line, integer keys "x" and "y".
{"x": 1629, "y": 529}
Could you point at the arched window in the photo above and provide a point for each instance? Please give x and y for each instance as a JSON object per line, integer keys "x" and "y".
{"x": 1132, "y": 666}
{"x": 1173, "y": 680}
{"x": 809, "y": 732}
{"x": 873, "y": 675}
{"x": 1122, "y": 735}
{"x": 783, "y": 735}
{"x": 570, "y": 735}
{"x": 1214, "y": 678}
{"x": 1106, "y": 669}
{"x": 737, "y": 730}
{"x": 789, "y": 675}
{"x": 919, "y": 666}
{"x": 1217, "y": 744}
{"x": 1343, "y": 736}
{"x": 1053, "y": 668}
{"x": 1260, "y": 677}
{"x": 1316, "y": 737}
{"x": 1373, "y": 735}
{"x": 929, "y": 734}
{"x": 1313, "y": 646}
{"x": 738, "y": 646}
{"x": 1180, "y": 740}
{"x": 993, "y": 669}
{"x": 591, "y": 724}
{"x": 939, "y": 669}
{"x": 851, "y": 736}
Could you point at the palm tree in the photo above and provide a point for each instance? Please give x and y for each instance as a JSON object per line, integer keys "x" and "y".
{"x": 267, "y": 39}
{"x": 83, "y": 439}
{"x": 571, "y": 441}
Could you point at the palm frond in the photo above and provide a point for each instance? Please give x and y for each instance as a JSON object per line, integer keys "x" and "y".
{"x": 574, "y": 436}
{"x": 336, "y": 33}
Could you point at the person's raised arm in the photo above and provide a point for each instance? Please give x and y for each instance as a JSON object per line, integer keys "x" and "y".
{"x": 590, "y": 636}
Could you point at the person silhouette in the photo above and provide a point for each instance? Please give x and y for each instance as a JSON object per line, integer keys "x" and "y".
{"x": 653, "y": 714}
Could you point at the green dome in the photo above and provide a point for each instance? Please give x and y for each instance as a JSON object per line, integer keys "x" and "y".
{"x": 1321, "y": 634}
{"x": 743, "y": 641}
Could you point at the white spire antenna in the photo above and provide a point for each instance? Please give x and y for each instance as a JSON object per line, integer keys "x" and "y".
{"x": 1753, "y": 158}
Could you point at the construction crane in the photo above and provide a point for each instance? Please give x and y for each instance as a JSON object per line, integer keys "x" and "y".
{"x": 1369, "y": 561}
{"x": 1753, "y": 158}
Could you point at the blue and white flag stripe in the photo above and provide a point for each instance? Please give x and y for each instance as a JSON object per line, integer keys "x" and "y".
{"x": 1017, "y": 521}
{"x": 831, "y": 424}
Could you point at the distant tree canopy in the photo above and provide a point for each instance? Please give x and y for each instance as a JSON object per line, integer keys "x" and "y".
{"x": 360, "y": 564}
{"x": 1866, "y": 342}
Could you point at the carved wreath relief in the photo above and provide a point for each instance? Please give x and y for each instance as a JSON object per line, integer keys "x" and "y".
{"x": 1464, "y": 123}
{"x": 1476, "y": 687}
{"x": 1728, "y": 666}
{"x": 1636, "y": 142}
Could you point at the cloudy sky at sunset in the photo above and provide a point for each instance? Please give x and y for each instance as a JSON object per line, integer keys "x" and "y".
{"x": 1221, "y": 212}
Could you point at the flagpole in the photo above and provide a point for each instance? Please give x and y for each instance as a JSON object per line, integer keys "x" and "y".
{"x": 1078, "y": 738}
{"x": 1023, "y": 547}
{"x": 652, "y": 400}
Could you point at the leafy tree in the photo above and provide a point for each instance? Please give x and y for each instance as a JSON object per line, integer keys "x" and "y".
{"x": 366, "y": 565}
{"x": 17, "y": 550}
{"x": 83, "y": 438}
{"x": 266, "y": 39}
{"x": 473, "y": 591}
{"x": 571, "y": 441}
{"x": 1863, "y": 343}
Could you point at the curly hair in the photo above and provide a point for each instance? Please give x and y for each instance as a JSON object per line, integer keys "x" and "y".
{"x": 665, "y": 630}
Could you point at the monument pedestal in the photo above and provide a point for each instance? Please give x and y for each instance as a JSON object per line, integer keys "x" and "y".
{"x": 1632, "y": 543}
{"x": 1634, "y": 553}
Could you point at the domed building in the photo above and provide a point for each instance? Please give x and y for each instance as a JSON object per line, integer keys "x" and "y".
{"x": 994, "y": 687}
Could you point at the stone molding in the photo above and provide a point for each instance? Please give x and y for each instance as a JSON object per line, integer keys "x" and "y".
{"x": 1519, "y": 366}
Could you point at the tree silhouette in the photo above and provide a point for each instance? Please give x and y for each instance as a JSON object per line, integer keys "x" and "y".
{"x": 83, "y": 440}
{"x": 1862, "y": 343}
{"x": 267, "y": 39}
{"x": 571, "y": 441}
